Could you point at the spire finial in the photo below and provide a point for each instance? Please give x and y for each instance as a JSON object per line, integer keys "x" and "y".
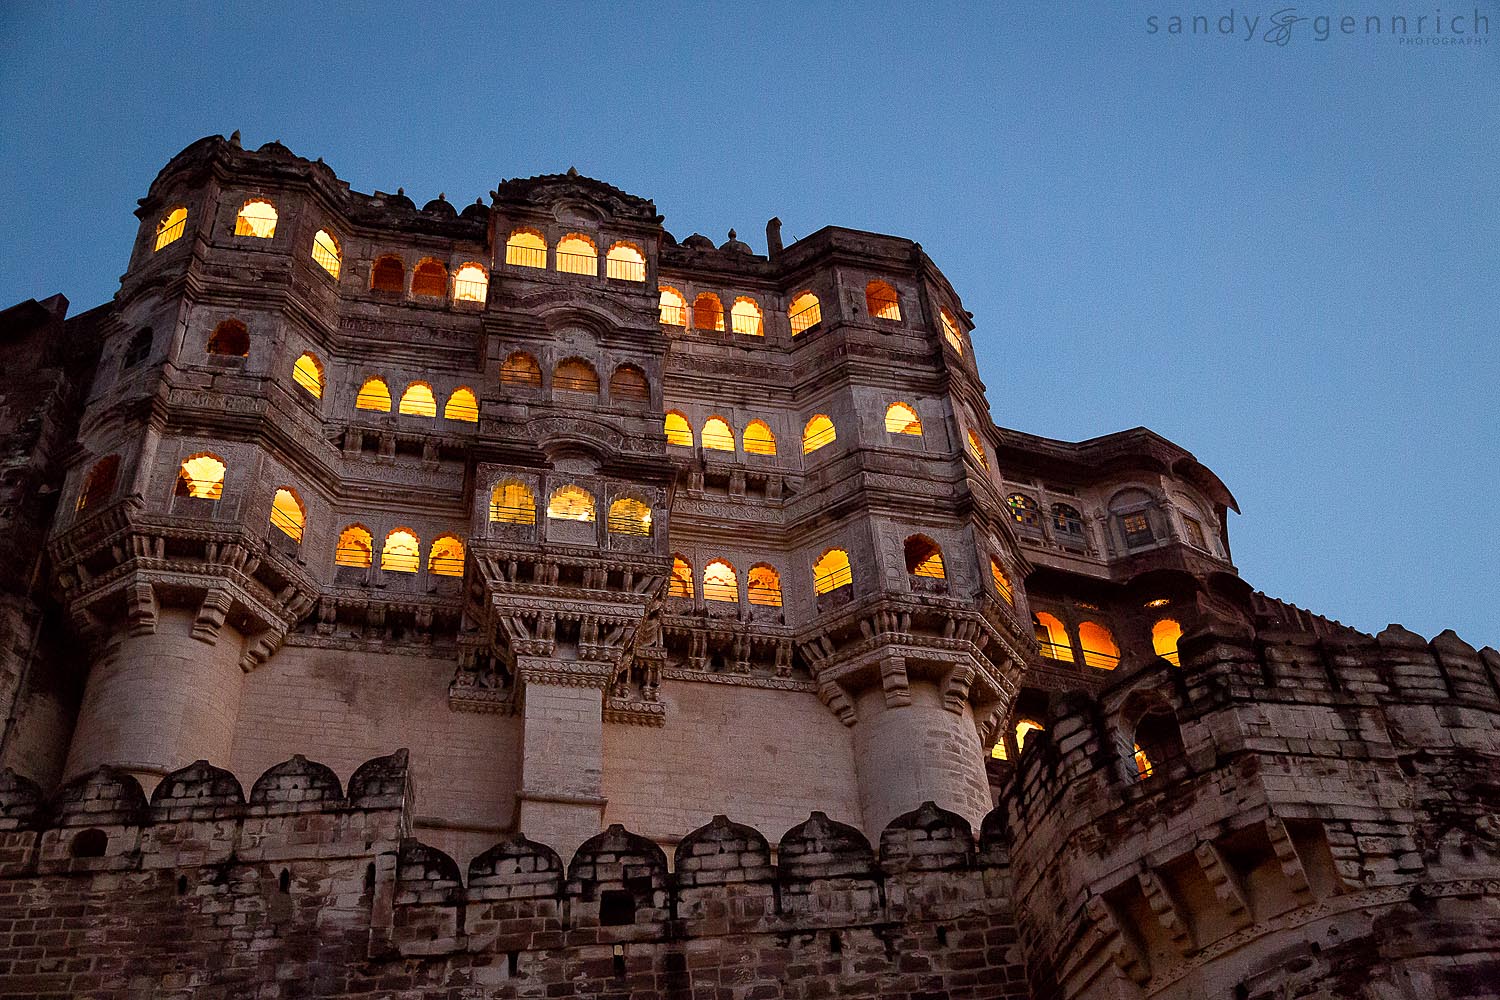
{"x": 572, "y": 171}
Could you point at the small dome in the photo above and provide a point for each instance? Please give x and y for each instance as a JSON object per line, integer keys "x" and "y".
{"x": 698, "y": 241}
{"x": 274, "y": 148}
{"x": 668, "y": 238}
{"x": 440, "y": 206}
{"x": 476, "y": 211}
{"x": 397, "y": 200}
{"x": 733, "y": 245}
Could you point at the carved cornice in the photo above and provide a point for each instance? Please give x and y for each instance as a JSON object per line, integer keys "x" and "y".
{"x": 739, "y": 680}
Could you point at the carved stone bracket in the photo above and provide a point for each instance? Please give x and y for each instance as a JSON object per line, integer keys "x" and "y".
{"x": 140, "y": 607}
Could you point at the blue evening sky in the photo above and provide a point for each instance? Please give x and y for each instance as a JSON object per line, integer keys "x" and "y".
{"x": 1281, "y": 257}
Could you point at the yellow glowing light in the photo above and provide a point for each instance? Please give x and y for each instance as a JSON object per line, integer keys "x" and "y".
{"x": 1099, "y": 649}
{"x": 1160, "y": 602}
{"x": 1164, "y": 637}
{"x": 170, "y": 228}
{"x": 628, "y": 516}
{"x": 708, "y": 312}
{"x": 758, "y": 438}
{"x": 832, "y": 571}
{"x": 950, "y": 331}
{"x": 976, "y": 448}
{"x": 308, "y": 373}
{"x": 326, "y": 252}
{"x": 882, "y": 301}
{"x": 418, "y": 401}
{"x": 462, "y": 405}
{"x": 681, "y": 584}
{"x": 576, "y": 254}
{"x": 446, "y": 557}
{"x": 745, "y": 318}
{"x": 1052, "y": 637}
{"x": 625, "y": 262}
{"x": 805, "y": 313}
{"x": 287, "y": 513}
{"x": 1025, "y": 728}
{"x": 720, "y": 582}
{"x": 571, "y": 503}
{"x": 1002, "y": 582}
{"x": 521, "y": 369}
{"x": 388, "y": 274}
{"x": 402, "y": 552}
{"x": 512, "y": 503}
{"x": 355, "y": 547}
{"x": 924, "y": 558}
{"x": 257, "y": 218}
{"x": 763, "y": 587}
{"x": 717, "y": 434}
{"x": 201, "y": 477}
{"x": 902, "y": 419}
{"x": 373, "y": 395}
{"x": 576, "y": 375}
{"x": 471, "y": 283}
{"x": 526, "y": 248}
{"x": 679, "y": 431}
{"x": 818, "y": 433}
{"x": 673, "y": 307}
{"x": 429, "y": 279}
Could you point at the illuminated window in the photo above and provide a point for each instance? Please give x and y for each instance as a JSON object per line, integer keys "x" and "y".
{"x": 1099, "y": 649}
{"x": 471, "y": 283}
{"x": 745, "y": 318}
{"x": 418, "y": 401}
{"x": 576, "y": 254}
{"x": 679, "y": 431}
{"x": 1194, "y": 532}
{"x": 720, "y": 582}
{"x": 1052, "y": 637}
{"x": 1164, "y": 637}
{"x": 902, "y": 419}
{"x": 950, "y": 331}
{"x": 1066, "y": 520}
{"x": 355, "y": 547}
{"x": 625, "y": 262}
{"x": 882, "y": 301}
{"x": 446, "y": 558}
{"x": 257, "y": 218}
{"x": 571, "y": 503}
{"x": 526, "y": 248}
{"x": 575, "y": 375}
{"x": 1157, "y": 741}
{"x": 708, "y": 312}
{"x": 402, "y": 552}
{"x": 171, "y": 227}
{"x": 521, "y": 369}
{"x": 230, "y": 339}
{"x": 1143, "y": 767}
{"x": 373, "y": 395}
{"x": 308, "y": 373}
{"x": 429, "y": 279}
{"x": 1025, "y": 728}
{"x": 805, "y": 312}
{"x": 924, "y": 558}
{"x": 629, "y": 383}
{"x": 1137, "y": 529}
{"x": 818, "y": 432}
{"x": 1024, "y": 511}
{"x": 1002, "y": 582}
{"x": 832, "y": 571}
{"x": 758, "y": 439}
{"x": 511, "y": 502}
{"x": 99, "y": 484}
{"x": 681, "y": 584}
{"x": 288, "y": 514}
{"x": 628, "y": 516}
{"x": 673, "y": 307}
{"x": 717, "y": 434}
{"x": 462, "y": 406}
{"x": 388, "y": 274}
{"x": 201, "y": 477}
{"x": 976, "y": 448}
{"x": 326, "y": 252}
{"x": 763, "y": 586}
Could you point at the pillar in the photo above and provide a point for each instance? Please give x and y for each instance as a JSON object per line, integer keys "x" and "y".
{"x": 562, "y": 763}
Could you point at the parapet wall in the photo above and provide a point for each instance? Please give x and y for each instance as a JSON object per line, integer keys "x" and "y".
{"x": 307, "y": 890}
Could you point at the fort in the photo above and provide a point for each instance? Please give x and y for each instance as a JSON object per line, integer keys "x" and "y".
{"x": 516, "y": 601}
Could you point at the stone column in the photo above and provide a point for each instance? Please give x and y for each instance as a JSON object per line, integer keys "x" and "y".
{"x": 562, "y": 747}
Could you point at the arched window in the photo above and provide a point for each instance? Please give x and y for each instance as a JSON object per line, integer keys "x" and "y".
{"x": 526, "y": 248}
{"x": 628, "y": 516}
{"x": 511, "y": 502}
{"x": 882, "y": 301}
{"x": 1002, "y": 582}
{"x": 1164, "y": 637}
{"x": 758, "y": 438}
{"x": 763, "y": 586}
{"x": 818, "y": 432}
{"x": 745, "y": 317}
{"x": 576, "y": 375}
{"x": 521, "y": 369}
{"x": 571, "y": 503}
{"x": 717, "y": 434}
{"x": 720, "y": 582}
{"x": 471, "y": 283}
{"x": 1157, "y": 741}
{"x": 355, "y": 547}
{"x": 418, "y": 401}
{"x": 805, "y": 312}
{"x": 374, "y": 395}
{"x": 429, "y": 279}
{"x": 288, "y": 514}
{"x": 1023, "y": 510}
{"x": 1052, "y": 637}
{"x": 308, "y": 373}
{"x": 462, "y": 405}
{"x": 1025, "y": 728}
{"x": 629, "y": 383}
{"x": 708, "y": 312}
{"x": 201, "y": 477}
{"x": 1098, "y": 643}
{"x": 402, "y": 552}
{"x": 388, "y": 274}
{"x": 326, "y": 252}
{"x": 99, "y": 484}
{"x": 446, "y": 558}
{"x": 681, "y": 583}
{"x": 976, "y": 448}
{"x": 924, "y": 557}
{"x": 902, "y": 419}
{"x": 625, "y": 262}
{"x": 256, "y": 218}
{"x": 576, "y": 254}
{"x": 673, "y": 307}
{"x": 1066, "y": 520}
{"x": 832, "y": 571}
{"x": 679, "y": 431}
{"x": 950, "y": 331}
{"x": 138, "y": 350}
{"x": 171, "y": 227}
{"x": 230, "y": 339}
